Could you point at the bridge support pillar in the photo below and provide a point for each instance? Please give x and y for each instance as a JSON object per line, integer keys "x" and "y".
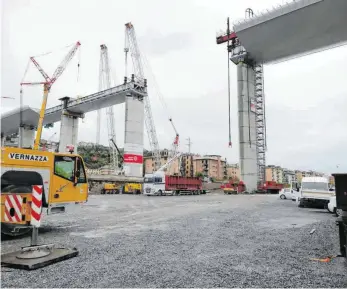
{"x": 247, "y": 125}
{"x": 133, "y": 139}
{"x": 26, "y": 136}
{"x": 68, "y": 127}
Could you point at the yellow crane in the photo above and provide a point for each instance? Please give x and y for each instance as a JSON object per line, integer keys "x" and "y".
{"x": 62, "y": 176}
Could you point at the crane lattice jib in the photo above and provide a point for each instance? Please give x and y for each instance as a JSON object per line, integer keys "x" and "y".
{"x": 139, "y": 77}
{"x": 105, "y": 83}
{"x": 60, "y": 69}
{"x": 40, "y": 69}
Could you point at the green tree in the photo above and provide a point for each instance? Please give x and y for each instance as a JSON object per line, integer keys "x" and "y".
{"x": 199, "y": 174}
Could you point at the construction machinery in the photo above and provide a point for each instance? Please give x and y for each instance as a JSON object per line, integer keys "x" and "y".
{"x": 132, "y": 188}
{"x": 233, "y": 187}
{"x": 105, "y": 83}
{"x": 111, "y": 188}
{"x": 47, "y": 84}
{"x": 62, "y": 175}
{"x": 131, "y": 46}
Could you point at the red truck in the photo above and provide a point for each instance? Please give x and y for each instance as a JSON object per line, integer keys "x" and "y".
{"x": 270, "y": 187}
{"x": 232, "y": 187}
{"x": 161, "y": 184}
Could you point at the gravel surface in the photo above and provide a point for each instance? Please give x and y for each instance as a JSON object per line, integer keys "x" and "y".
{"x": 209, "y": 240}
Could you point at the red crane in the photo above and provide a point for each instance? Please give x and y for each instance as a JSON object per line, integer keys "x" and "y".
{"x": 47, "y": 84}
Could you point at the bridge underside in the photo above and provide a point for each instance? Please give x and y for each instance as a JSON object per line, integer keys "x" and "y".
{"x": 10, "y": 121}
{"x": 295, "y": 29}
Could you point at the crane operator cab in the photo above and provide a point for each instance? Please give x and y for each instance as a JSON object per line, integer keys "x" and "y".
{"x": 61, "y": 175}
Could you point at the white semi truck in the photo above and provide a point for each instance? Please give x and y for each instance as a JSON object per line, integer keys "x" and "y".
{"x": 315, "y": 190}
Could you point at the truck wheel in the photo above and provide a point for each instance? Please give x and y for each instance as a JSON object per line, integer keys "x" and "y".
{"x": 301, "y": 204}
{"x": 160, "y": 192}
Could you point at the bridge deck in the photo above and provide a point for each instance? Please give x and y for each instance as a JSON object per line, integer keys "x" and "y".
{"x": 295, "y": 29}
{"x": 10, "y": 120}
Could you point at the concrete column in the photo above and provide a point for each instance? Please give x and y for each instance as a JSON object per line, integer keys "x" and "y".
{"x": 133, "y": 138}
{"x": 68, "y": 130}
{"x": 247, "y": 125}
{"x": 68, "y": 126}
{"x": 26, "y": 136}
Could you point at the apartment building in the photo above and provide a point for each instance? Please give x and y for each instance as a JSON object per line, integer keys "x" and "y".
{"x": 274, "y": 173}
{"x": 181, "y": 166}
{"x": 289, "y": 176}
{"x": 233, "y": 171}
{"x": 173, "y": 169}
{"x": 212, "y": 166}
{"x": 310, "y": 173}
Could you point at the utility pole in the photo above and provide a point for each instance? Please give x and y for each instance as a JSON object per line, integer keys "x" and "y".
{"x": 189, "y": 144}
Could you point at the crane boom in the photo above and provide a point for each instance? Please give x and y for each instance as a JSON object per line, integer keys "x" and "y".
{"x": 105, "y": 83}
{"x": 132, "y": 46}
{"x": 47, "y": 86}
{"x": 169, "y": 162}
{"x": 60, "y": 69}
{"x": 175, "y": 144}
{"x": 40, "y": 69}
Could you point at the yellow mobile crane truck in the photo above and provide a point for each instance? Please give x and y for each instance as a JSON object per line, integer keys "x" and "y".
{"x": 62, "y": 176}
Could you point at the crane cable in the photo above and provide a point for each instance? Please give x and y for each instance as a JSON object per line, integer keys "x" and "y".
{"x": 79, "y": 76}
{"x": 49, "y": 52}
{"x": 229, "y": 105}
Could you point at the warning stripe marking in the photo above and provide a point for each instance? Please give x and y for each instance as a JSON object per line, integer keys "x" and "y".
{"x": 13, "y": 202}
{"x": 36, "y": 206}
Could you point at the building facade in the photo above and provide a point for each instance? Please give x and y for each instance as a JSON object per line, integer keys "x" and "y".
{"x": 233, "y": 171}
{"x": 274, "y": 173}
{"x": 289, "y": 176}
{"x": 212, "y": 166}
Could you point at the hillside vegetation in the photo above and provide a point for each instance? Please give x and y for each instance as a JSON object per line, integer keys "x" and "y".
{"x": 97, "y": 156}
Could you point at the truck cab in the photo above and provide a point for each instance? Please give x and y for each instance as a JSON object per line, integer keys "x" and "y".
{"x": 62, "y": 177}
{"x": 315, "y": 190}
{"x": 154, "y": 184}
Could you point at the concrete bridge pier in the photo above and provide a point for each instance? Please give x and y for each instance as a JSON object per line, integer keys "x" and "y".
{"x": 68, "y": 127}
{"x": 26, "y": 136}
{"x": 134, "y": 133}
{"x": 247, "y": 125}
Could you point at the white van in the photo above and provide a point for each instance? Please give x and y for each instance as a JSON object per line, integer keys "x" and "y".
{"x": 315, "y": 190}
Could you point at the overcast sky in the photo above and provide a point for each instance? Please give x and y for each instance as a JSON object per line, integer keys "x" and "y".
{"x": 305, "y": 98}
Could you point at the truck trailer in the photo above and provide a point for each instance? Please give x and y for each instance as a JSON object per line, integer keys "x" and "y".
{"x": 269, "y": 187}
{"x": 159, "y": 184}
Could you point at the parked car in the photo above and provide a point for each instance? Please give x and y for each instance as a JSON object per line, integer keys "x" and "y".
{"x": 285, "y": 193}
{"x": 332, "y": 207}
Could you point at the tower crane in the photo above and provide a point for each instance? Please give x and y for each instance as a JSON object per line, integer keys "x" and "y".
{"x": 132, "y": 47}
{"x": 47, "y": 85}
{"x": 105, "y": 83}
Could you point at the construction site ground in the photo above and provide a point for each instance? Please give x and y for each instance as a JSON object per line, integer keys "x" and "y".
{"x": 212, "y": 240}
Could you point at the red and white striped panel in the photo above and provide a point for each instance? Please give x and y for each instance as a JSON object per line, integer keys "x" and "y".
{"x": 13, "y": 208}
{"x": 36, "y": 206}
